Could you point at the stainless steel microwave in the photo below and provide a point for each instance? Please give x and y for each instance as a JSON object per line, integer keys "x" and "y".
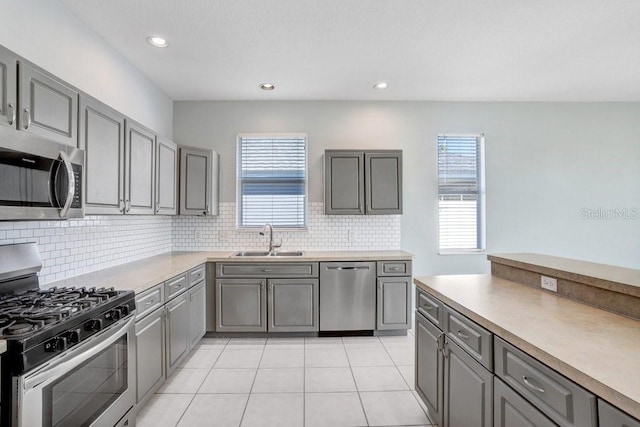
{"x": 39, "y": 178}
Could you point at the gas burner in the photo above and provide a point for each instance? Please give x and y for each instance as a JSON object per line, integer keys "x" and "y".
{"x": 20, "y": 328}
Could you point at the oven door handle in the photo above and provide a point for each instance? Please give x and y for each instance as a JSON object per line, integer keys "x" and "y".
{"x": 78, "y": 355}
{"x": 71, "y": 184}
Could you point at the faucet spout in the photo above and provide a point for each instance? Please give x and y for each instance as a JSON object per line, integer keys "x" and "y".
{"x": 272, "y": 245}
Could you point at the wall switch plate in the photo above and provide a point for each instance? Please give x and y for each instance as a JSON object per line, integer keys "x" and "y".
{"x": 549, "y": 283}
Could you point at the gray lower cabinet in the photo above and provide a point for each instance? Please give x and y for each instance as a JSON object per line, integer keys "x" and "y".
{"x": 511, "y": 410}
{"x": 150, "y": 366}
{"x": 197, "y": 307}
{"x": 293, "y": 305}
{"x": 102, "y": 132}
{"x": 610, "y": 416}
{"x": 140, "y": 148}
{"x": 363, "y": 182}
{"x": 48, "y": 107}
{"x": 394, "y": 303}
{"x": 430, "y": 367}
{"x": 8, "y": 88}
{"x": 241, "y": 305}
{"x": 178, "y": 321}
{"x": 468, "y": 389}
{"x": 166, "y": 177}
{"x": 198, "y": 181}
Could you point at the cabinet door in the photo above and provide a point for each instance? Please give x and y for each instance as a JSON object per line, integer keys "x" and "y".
{"x": 468, "y": 389}
{"x": 140, "y": 158}
{"x": 343, "y": 182}
{"x": 610, "y": 416}
{"x": 177, "y": 331}
{"x": 197, "y": 307}
{"x": 511, "y": 410}
{"x": 293, "y": 305}
{"x": 166, "y": 177}
{"x": 241, "y": 305}
{"x": 48, "y": 107}
{"x": 195, "y": 181}
{"x": 383, "y": 182}
{"x": 430, "y": 367}
{"x": 102, "y": 138}
{"x": 150, "y": 354}
{"x": 8, "y": 85}
{"x": 394, "y": 303}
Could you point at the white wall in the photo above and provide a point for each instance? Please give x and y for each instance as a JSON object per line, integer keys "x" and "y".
{"x": 49, "y": 35}
{"x": 545, "y": 162}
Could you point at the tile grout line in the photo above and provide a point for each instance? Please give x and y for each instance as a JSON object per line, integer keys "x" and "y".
{"x": 244, "y": 412}
{"x": 366, "y": 418}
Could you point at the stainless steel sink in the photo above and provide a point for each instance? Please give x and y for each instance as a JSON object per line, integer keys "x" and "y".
{"x": 264, "y": 253}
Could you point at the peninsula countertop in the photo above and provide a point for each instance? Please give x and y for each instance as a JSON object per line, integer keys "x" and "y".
{"x": 148, "y": 272}
{"x": 597, "y": 349}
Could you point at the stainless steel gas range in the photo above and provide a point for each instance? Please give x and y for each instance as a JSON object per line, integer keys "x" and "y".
{"x": 70, "y": 358}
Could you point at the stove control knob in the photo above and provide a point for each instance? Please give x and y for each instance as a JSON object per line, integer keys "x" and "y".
{"x": 125, "y": 310}
{"x": 116, "y": 314}
{"x": 93, "y": 325}
{"x": 55, "y": 344}
{"x": 73, "y": 337}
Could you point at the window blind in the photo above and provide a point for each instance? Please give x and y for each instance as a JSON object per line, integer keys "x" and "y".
{"x": 272, "y": 181}
{"x": 460, "y": 193}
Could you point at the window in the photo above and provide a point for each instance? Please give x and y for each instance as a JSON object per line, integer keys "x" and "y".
{"x": 460, "y": 193}
{"x": 271, "y": 176}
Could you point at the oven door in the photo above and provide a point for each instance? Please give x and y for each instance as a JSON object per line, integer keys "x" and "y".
{"x": 92, "y": 384}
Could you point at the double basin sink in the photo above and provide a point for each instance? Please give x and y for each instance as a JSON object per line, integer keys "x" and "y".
{"x": 268, "y": 254}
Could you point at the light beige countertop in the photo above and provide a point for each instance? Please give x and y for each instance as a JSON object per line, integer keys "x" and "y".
{"x": 597, "y": 349}
{"x": 144, "y": 274}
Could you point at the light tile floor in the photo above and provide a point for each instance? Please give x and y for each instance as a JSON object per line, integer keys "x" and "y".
{"x": 349, "y": 381}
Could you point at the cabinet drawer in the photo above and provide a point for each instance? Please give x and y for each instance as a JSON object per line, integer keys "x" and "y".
{"x": 473, "y": 338}
{"x": 196, "y": 275}
{"x": 610, "y": 416}
{"x": 560, "y": 399}
{"x": 149, "y": 300}
{"x": 511, "y": 410}
{"x": 394, "y": 268}
{"x": 430, "y": 307}
{"x": 270, "y": 270}
{"x": 175, "y": 286}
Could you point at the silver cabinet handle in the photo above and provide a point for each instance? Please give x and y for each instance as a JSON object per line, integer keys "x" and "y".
{"x": 127, "y": 205}
{"x": 427, "y": 307}
{"x": 26, "y": 118}
{"x": 531, "y": 385}
{"x": 149, "y": 302}
{"x": 121, "y": 205}
{"x": 394, "y": 268}
{"x": 266, "y": 270}
{"x": 462, "y": 335}
{"x": 175, "y": 285}
{"x": 71, "y": 186}
{"x": 262, "y": 285}
{"x": 11, "y": 113}
{"x": 270, "y": 287}
{"x": 157, "y": 207}
{"x": 347, "y": 268}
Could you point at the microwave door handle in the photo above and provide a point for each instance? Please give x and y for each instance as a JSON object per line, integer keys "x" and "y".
{"x": 71, "y": 184}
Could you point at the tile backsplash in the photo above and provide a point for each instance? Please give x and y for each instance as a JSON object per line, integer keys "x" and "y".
{"x": 324, "y": 232}
{"x": 77, "y": 246}
{"x": 73, "y": 247}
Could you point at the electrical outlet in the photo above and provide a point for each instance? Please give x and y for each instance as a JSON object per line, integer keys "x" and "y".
{"x": 549, "y": 283}
{"x": 197, "y": 236}
{"x": 351, "y": 235}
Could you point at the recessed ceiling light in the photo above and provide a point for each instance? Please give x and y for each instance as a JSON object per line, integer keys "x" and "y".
{"x": 157, "y": 41}
{"x": 381, "y": 85}
{"x": 267, "y": 86}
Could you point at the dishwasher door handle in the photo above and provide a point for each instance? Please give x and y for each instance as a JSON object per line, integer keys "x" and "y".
{"x": 348, "y": 268}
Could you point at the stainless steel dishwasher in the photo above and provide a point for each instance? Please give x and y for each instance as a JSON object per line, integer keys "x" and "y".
{"x": 347, "y": 296}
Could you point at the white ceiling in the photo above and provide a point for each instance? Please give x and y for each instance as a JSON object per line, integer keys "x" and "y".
{"x": 458, "y": 50}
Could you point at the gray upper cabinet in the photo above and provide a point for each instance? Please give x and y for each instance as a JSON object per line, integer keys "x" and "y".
{"x": 166, "y": 177}
{"x": 468, "y": 389}
{"x": 241, "y": 305}
{"x": 140, "y": 169}
{"x": 344, "y": 182}
{"x": 363, "y": 182}
{"x": 293, "y": 305}
{"x": 102, "y": 132}
{"x": 383, "y": 182}
{"x": 198, "y": 181}
{"x": 177, "y": 344}
{"x": 430, "y": 367}
{"x": 8, "y": 88}
{"x": 197, "y": 307}
{"x": 394, "y": 303}
{"x": 47, "y": 106}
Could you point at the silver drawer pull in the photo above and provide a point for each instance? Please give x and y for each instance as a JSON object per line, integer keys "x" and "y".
{"x": 149, "y": 302}
{"x": 427, "y": 307}
{"x": 347, "y": 268}
{"x": 530, "y": 385}
{"x": 266, "y": 270}
{"x": 394, "y": 268}
{"x": 176, "y": 285}
{"x": 463, "y": 335}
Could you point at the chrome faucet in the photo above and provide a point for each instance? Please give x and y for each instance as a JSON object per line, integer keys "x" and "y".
{"x": 272, "y": 245}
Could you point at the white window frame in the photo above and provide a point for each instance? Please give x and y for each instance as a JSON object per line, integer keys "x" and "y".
{"x": 481, "y": 199}
{"x": 265, "y": 135}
